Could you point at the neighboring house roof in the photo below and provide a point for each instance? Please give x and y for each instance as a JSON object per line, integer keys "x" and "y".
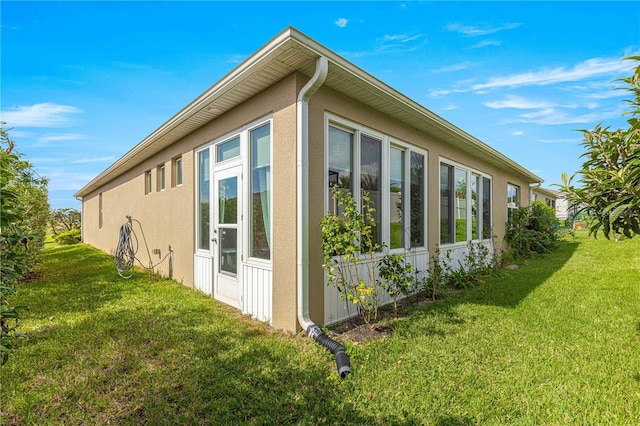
{"x": 548, "y": 192}
{"x": 288, "y": 52}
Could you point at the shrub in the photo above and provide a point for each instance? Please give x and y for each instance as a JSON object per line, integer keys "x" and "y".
{"x": 69, "y": 237}
{"x": 349, "y": 252}
{"x": 532, "y": 230}
{"x": 398, "y": 277}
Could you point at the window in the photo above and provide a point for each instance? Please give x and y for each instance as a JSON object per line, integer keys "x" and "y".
{"x": 513, "y": 200}
{"x": 177, "y": 171}
{"x": 390, "y": 172}
{"x": 370, "y": 179}
{"x": 100, "y": 211}
{"x": 203, "y": 200}
{"x": 228, "y": 150}
{"x": 260, "y": 200}
{"x": 417, "y": 199}
{"x": 486, "y": 208}
{"x": 161, "y": 178}
{"x": 396, "y": 205}
{"x": 465, "y": 204}
{"x": 340, "y": 161}
{"x": 147, "y": 182}
{"x": 447, "y": 224}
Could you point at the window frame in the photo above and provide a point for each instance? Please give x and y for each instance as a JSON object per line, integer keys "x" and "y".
{"x": 177, "y": 175}
{"x": 470, "y": 173}
{"x": 518, "y": 200}
{"x": 161, "y": 177}
{"x": 244, "y": 161}
{"x": 387, "y": 141}
{"x": 148, "y": 185}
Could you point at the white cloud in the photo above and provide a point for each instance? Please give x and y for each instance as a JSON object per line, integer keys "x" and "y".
{"x": 553, "y": 116}
{"x": 517, "y": 133}
{"x": 60, "y": 137}
{"x": 60, "y": 179}
{"x": 341, "y": 22}
{"x": 401, "y": 38}
{"x": 471, "y": 31}
{"x": 400, "y": 43}
{"x": 485, "y": 43}
{"x": 454, "y": 67}
{"x": 567, "y": 140}
{"x": 518, "y": 102}
{"x": 47, "y": 114}
{"x": 85, "y": 160}
{"x": 595, "y": 67}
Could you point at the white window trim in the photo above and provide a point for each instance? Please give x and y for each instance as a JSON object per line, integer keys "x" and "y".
{"x": 470, "y": 172}
{"x": 244, "y": 160}
{"x": 387, "y": 141}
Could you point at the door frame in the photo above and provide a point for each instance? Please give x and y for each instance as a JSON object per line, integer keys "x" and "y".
{"x": 226, "y": 287}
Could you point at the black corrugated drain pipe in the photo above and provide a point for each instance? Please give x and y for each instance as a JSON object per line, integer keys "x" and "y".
{"x": 342, "y": 360}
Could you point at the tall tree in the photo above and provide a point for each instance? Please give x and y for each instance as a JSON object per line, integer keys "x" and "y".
{"x": 610, "y": 175}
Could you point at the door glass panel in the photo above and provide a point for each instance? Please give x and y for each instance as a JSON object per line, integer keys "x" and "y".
{"x": 228, "y": 219}
{"x": 228, "y": 200}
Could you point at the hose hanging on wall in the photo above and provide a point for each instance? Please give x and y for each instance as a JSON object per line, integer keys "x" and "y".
{"x": 125, "y": 254}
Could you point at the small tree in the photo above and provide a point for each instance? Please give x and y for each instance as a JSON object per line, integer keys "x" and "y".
{"x": 63, "y": 220}
{"x": 349, "y": 251}
{"x": 610, "y": 174}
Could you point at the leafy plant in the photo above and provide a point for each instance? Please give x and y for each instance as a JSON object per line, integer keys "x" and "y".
{"x": 349, "y": 250}
{"x": 23, "y": 211}
{"x": 533, "y": 230}
{"x": 610, "y": 175}
{"x": 398, "y": 277}
{"x": 69, "y": 237}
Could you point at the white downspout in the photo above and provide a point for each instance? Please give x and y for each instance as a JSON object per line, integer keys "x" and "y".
{"x": 322, "y": 67}
{"x": 532, "y": 186}
{"x": 302, "y": 110}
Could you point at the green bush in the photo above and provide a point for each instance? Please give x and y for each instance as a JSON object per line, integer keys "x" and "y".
{"x": 532, "y": 230}
{"x": 69, "y": 237}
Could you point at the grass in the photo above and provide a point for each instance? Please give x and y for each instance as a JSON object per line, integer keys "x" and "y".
{"x": 553, "y": 342}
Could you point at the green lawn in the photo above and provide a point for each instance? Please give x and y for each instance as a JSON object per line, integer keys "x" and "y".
{"x": 556, "y": 341}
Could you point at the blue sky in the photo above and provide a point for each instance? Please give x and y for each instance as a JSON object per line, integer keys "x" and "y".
{"x": 83, "y": 82}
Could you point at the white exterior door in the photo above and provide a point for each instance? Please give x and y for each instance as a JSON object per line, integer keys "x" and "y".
{"x": 227, "y": 236}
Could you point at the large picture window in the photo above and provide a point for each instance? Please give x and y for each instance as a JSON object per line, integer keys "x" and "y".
{"x": 390, "y": 172}
{"x": 465, "y": 204}
{"x": 340, "y": 162}
{"x": 417, "y": 200}
{"x": 260, "y": 201}
{"x": 370, "y": 180}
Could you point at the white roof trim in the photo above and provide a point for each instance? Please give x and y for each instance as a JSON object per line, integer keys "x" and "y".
{"x": 178, "y": 125}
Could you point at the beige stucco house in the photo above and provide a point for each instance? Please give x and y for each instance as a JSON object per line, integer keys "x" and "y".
{"x": 238, "y": 181}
